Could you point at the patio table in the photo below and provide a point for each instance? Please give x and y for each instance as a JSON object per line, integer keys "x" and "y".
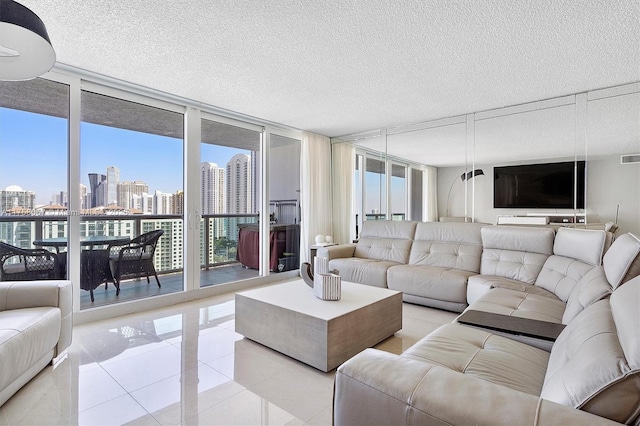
{"x": 94, "y": 261}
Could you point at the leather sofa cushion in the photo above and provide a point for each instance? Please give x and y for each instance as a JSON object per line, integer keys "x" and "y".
{"x": 560, "y": 274}
{"x": 363, "y": 271}
{"x": 591, "y": 288}
{"x": 523, "y": 239}
{"x": 26, "y": 336}
{"x": 585, "y": 245}
{"x": 479, "y": 285}
{"x": 575, "y": 252}
{"x": 520, "y": 304}
{"x": 484, "y": 355}
{"x": 622, "y": 260}
{"x": 517, "y": 253}
{"x": 450, "y": 245}
{"x": 516, "y": 265}
{"x": 447, "y": 255}
{"x": 397, "y": 229}
{"x": 386, "y": 240}
{"x": 595, "y": 362}
{"x": 462, "y": 233}
{"x": 432, "y": 282}
{"x": 387, "y": 249}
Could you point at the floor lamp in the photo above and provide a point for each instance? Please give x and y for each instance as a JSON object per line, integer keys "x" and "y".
{"x": 465, "y": 176}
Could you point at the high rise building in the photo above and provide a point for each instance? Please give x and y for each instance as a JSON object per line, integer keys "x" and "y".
{"x": 95, "y": 180}
{"x": 239, "y": 185}
{"x": 163, "y": 203}
{"x": 143, "y": 203}
{"x": 61, "y": 199}
{"x": 85, "y": 197}
{"x": 126, "y": 190}
{"x": 15, "y": 200}
{"x": 111, "y": 194}
{"x": 14, "y": 197}
{"x": 212, "y": 197}
{"x": 212, "y": 193}
{"x": 177, "y": 202}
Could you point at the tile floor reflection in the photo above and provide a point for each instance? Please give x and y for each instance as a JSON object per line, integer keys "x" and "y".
{"x": 185, "y": 365}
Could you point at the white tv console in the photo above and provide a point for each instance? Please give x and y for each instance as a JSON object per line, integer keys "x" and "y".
{"x": 542, "y": 219}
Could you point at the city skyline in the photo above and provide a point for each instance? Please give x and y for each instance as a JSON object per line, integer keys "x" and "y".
{"x": 156, "y": 160}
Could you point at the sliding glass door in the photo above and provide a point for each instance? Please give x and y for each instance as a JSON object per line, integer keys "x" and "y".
{"x": 229, "y": 232}
{"x": 131, "y": 171}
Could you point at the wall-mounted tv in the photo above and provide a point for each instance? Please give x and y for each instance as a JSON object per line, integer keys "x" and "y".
{"x": 532, "y": 186}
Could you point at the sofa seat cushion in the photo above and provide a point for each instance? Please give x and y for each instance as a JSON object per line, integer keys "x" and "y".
{"x": 479, "y": 285}
{"x": 432, "y": 282}
{"x": 520, "y": 304}
{"x": 484, "y": 355}
{"x": 363, "y": 271}
{"x": 26, "y": 336}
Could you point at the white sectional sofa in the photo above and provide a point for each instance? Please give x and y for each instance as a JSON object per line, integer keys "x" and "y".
{"x": 429, "y": 262}
{"x": 460, "y": 375}
{"x": 35, "y": 327}
{"x": 464, "y": 374}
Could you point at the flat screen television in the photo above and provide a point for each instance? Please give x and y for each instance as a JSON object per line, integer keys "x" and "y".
{"x": 533, "y": 186}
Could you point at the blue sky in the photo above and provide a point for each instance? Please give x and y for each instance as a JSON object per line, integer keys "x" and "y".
{"x": 34, "y": 157}
{"x": 34, "y": 154}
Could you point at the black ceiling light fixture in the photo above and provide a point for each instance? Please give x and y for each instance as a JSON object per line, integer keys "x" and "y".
{"x": 25, "y": 49}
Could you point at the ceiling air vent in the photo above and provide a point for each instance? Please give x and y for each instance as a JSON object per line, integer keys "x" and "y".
{"x": 630, "y": 159}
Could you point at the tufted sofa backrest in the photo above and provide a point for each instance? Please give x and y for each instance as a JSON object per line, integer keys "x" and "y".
{"x": 594, "y": 364}
{"x": 448, "y": 245}
{"x": 575, "y": 252}
{"x": 515, "y": 252}
{"x": 388, "y": 240}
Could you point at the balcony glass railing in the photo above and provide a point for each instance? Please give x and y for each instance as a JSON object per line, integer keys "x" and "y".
{"x": 218, "y": 239}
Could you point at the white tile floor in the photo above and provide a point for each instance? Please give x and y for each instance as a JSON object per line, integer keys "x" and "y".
{"x": 185, "y": 365}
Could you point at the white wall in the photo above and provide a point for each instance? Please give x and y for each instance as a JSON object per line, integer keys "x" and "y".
{"x": 609, "y": 185}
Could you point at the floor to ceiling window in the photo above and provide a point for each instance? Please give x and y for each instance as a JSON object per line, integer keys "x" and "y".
{"x": 131, "y": 172}
{"x": 88, "y": 168}
{"x": 33, "y": 174}
{"x": 229, "y": 232}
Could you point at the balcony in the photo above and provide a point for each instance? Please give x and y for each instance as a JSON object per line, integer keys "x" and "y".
{"x": 218, "y": 241}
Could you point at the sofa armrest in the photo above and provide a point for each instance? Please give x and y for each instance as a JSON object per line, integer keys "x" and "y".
{"x": 376, "y": 387}
{"x": 32, "y": 294}
{"x": 335, "y": 252}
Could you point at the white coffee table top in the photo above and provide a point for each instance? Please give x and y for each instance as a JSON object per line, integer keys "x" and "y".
{"x": 298, "y": 297}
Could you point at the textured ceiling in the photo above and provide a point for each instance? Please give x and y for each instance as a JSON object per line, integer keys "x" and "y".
{"x": 340, "y": 67}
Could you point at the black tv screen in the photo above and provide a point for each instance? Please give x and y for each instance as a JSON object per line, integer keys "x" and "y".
{"x": 550, "y": 186}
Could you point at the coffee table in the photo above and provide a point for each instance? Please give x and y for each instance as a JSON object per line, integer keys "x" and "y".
{"x": 288, "y": 318}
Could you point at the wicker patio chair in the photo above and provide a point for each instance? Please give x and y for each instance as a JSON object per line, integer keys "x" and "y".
{"x": 19, "y": 264}
{"x": 135, "y": 259}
